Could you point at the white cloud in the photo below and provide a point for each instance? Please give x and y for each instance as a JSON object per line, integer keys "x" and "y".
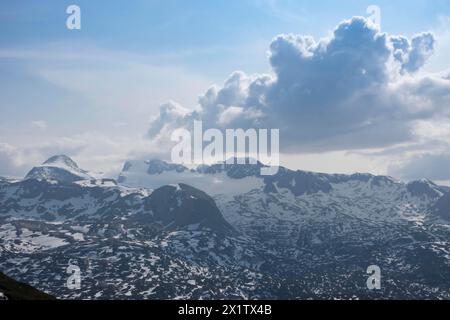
{"x": 230, "y": 114}
{"x": 9, "y": 160}
{"x": 360, "y": 97}
{"x": 281, "y": 11}
{"x": 39, "y": 124}
{"x": 358, "y": 89}
{"x": 431, "y": 166}
{"x": 91, "y": 150}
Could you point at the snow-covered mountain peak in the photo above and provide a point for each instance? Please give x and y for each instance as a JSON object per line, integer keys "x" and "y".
{"x": 61, "y": 161}
{"x": 424, "y": 187}
{"x": 59, "y": 168}
{"x": 157, "y": 166}
{"x": 150, "y": 167}
{"x": 182, "y": 205}
{"x": 214, "y": 179}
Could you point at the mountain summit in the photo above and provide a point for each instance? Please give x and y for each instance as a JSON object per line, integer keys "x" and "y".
{"x": 61, "y": 161}
{"x": 60, "y": 168}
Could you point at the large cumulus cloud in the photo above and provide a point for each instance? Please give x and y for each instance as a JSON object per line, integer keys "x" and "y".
{"x": 357, "y": 89}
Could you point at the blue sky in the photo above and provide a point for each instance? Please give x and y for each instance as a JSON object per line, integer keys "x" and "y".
{"x": 92, "y": 92}
{"x": 205, "y": 28}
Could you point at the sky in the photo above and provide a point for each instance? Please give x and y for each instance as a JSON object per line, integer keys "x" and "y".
{"x": 349, "y": 95}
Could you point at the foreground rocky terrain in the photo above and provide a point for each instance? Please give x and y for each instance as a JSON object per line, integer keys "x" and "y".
{"x": 13, "y": 290}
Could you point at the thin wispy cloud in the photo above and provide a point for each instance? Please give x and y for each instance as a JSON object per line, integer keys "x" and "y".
{"x": 287, "y": 11}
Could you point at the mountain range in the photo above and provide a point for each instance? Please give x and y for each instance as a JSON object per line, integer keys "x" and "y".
{"x": 223, "y": 231}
